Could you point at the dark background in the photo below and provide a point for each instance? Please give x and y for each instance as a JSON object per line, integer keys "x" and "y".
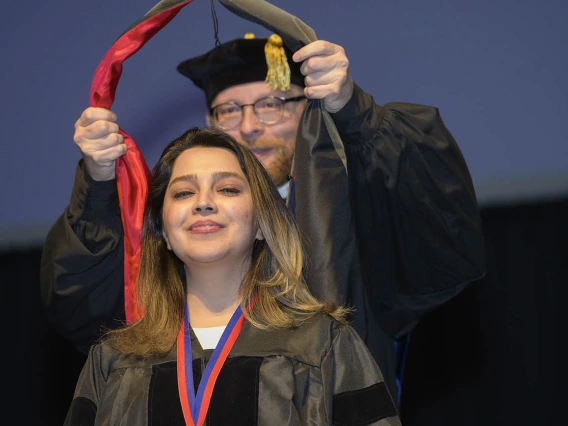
{"x": 496, "y": 71}
{"x": 490, "y": 357}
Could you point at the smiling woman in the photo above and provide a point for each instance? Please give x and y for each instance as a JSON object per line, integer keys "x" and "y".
{"x": 225, "y": 307}
{"x": 209, "y": 224}
{"x": 209, "y": 201}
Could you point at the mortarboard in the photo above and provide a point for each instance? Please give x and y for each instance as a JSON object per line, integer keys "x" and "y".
{"x": 243, "y": 60}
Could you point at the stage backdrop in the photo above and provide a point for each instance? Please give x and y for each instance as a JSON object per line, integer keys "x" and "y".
{"x": 496, "y": 70}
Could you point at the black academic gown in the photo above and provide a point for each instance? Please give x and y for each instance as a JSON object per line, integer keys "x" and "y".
{"x": 320, "y": 373}
{"x": 418, "y": 230}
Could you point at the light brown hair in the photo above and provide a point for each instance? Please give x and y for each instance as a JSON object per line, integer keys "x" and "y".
{"x": 274, "y": 276}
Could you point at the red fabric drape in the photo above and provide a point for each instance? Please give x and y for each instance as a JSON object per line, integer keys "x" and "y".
{"x": 132, "y": 172}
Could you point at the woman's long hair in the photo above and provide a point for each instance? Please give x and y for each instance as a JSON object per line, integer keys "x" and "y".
{"x": 274, "y": 276}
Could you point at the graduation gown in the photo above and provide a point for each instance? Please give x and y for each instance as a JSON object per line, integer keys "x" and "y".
{"x": 320, "y": 373}
{"x": 416, "y": 217}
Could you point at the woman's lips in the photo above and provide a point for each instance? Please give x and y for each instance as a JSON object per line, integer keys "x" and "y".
{"x": 204, "y": 227}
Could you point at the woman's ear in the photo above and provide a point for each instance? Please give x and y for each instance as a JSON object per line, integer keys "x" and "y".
{"x": 166, "y": 240}
{"x": 208, "y": 119}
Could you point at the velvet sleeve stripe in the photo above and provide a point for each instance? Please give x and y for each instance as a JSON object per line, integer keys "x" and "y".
{"x": 81, "y": 413}
{"x": 363, "y": 406}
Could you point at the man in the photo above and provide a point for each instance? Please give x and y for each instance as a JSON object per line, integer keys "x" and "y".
{"x": 418, "y": 228}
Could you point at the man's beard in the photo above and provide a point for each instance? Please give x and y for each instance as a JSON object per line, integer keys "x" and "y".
{"x": 280, "y": 166}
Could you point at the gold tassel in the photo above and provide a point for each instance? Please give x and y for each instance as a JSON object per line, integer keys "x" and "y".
{"x": 278, "y": 76}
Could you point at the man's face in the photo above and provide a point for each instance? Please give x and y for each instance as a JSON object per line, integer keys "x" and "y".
{"x": 272, "y": 144}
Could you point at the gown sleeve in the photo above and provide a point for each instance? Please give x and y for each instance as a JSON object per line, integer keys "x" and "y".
{"x": 82, "y": 263}
{"x": 416, "y": 215}
{"x": 354, "y": 384}
{"x": 84, "y": 406}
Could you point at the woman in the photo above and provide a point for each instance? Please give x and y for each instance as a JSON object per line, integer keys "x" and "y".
{"x": 225, "y": 309}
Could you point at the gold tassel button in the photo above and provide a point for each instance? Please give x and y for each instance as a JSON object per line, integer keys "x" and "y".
{"x": 278, "y": 75}
{"x": 249, "y": 36}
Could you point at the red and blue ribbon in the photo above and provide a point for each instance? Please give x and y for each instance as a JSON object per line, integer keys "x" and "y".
{"x": 195, "y": 406}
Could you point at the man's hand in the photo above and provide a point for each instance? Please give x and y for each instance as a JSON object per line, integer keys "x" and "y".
{"x": 96, "y": 135}
{"x": 326, "y": 68}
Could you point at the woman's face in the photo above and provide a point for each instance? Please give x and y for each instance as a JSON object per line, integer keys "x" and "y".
{"x": 208, "y": 210}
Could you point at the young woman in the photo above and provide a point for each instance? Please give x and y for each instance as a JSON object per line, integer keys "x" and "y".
{"x": 229, "y": 334}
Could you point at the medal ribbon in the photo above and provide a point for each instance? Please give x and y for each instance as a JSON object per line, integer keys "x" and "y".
{"x": 194, "y": 406}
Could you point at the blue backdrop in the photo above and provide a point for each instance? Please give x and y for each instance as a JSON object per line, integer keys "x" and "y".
{"x": 496, "y": 70}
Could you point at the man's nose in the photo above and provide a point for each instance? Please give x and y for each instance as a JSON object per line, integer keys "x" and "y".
{"x": 251, "y": 127}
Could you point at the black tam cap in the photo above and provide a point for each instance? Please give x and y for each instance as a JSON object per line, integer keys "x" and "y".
{"x": 244, "y": 60}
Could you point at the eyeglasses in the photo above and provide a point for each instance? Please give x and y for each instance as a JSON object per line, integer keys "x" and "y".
{"x": 268, "y": 111}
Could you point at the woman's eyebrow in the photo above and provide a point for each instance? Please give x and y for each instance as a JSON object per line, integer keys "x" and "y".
{"x": 223, "y": 175}
{"x": 216, "y": 177}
